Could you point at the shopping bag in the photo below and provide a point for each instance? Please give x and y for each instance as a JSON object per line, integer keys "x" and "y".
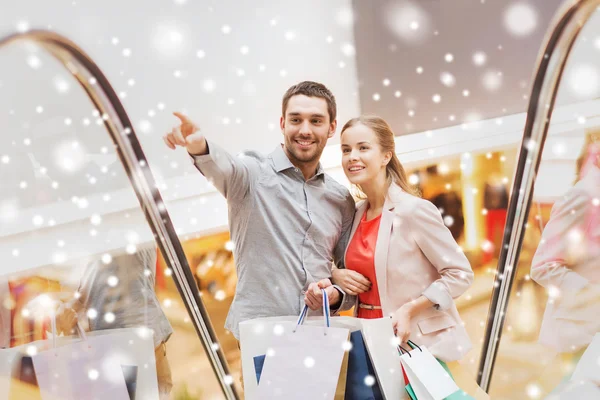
{"x": 304, "y": 361}
{"x": 428, "y": 379}
{"x": 132, "y": 348}
{"x": 588, "y": 367}
{"x": 340, "y": 391}
{"x": 465, "y": 381}
{"x": 468, "y": 387}
{"x": 382, "y": 346}
{"x": 80, "y": 370}
{"x": 361, "y": 381}
{"x": 23, "y": 381}
{"x": 460, "y": 393}
{"x": 408, "y": 387}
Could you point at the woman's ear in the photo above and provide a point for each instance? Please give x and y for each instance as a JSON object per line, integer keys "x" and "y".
{"x": 387, "y": 158}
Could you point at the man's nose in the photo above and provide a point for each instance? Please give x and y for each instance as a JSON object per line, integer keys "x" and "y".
{"x": 305, "y": 127}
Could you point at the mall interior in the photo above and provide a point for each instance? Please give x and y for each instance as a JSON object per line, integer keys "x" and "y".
{"x": 456, "y": 80}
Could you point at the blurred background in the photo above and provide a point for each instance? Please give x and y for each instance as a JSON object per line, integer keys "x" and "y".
{"x": 452, "y": 78}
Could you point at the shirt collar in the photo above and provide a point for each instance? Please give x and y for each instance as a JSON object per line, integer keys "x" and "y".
{"x": 282, "y": 162}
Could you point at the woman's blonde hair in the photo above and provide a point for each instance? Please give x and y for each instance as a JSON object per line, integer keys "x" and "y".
{"x": 385, "y": 137}
{"x": 589, "y": 149}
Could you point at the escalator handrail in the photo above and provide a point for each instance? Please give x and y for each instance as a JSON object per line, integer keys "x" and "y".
{"x": 561, "y": 36}
{"x": 122, "y": 133}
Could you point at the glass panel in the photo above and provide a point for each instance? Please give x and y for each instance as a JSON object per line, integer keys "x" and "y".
{"x": 77, "y": 249}
{"x": 471, "y": 191}
{"x": 555, "y": 300}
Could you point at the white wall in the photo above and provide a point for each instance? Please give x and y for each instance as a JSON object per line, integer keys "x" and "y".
{"x": 309, "y": 41}
{"x": 225, "y": 63}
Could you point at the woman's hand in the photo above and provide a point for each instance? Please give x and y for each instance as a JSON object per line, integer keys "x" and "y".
{"x": 401, "y": 323}
{"x": 350, "y": 281}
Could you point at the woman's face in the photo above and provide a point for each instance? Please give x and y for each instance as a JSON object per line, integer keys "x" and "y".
{"x": 362, "y": 158}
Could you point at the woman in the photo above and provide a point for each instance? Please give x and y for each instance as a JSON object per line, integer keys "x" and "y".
{"x": 401, "y": 260}
{"x": 567, "y": 260}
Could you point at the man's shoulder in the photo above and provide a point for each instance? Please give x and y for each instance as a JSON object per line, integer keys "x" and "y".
{"x": 337, "y": 187}
{"x": 252, "y": 155}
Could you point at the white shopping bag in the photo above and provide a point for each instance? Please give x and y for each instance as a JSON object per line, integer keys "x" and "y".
{"x": 428, "y": 378}
{"x": 382, "y": 346}
{"x": 80, "y": 370}
{"x": 302, "y": 361}
{"x": 257, "y": 335}
{"x": 127, "y": 346}
{"x": 588, "y": 367}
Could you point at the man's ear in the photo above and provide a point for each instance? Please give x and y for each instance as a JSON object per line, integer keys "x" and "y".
{"x": 332, "y": 128}
{"x": 282, "y": 123}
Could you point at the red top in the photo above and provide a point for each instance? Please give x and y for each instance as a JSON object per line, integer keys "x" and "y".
{"x": 360, "y": 257}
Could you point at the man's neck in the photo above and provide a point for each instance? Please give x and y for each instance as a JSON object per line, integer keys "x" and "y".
{"x": 308, "y": 169}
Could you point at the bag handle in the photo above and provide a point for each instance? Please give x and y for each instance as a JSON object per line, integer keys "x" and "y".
{"x": 78, "y": 328}
{"x": 413, "y": 345}
{"x": 326, "y": 313}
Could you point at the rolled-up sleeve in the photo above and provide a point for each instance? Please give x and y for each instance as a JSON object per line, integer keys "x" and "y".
{"x": 563, "y": 237}
{"x": 232, "y": 176}
{"x": 437, "y": 244}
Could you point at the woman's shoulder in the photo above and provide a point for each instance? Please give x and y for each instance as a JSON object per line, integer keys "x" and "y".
{"x": 407, "y": 203}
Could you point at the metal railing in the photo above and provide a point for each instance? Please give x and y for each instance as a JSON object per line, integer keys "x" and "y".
{"x": 550, "y": 65}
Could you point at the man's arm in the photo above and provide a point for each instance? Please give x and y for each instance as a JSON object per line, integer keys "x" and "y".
{"x": 230, "y": 175}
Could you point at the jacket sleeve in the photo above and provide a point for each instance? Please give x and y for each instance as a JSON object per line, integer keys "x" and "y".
{"x": 562, "y": 240}
{"x": 437, "y": 244}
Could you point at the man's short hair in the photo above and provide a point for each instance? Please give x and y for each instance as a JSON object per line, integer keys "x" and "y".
{"x": 311, "y": 89}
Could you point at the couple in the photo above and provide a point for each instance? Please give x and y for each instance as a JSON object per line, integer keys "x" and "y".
{"x": 289, "y": 221}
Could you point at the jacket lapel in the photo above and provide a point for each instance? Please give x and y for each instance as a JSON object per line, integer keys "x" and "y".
{"x": 381, "y": 252}
{"x": 357, "y": 217}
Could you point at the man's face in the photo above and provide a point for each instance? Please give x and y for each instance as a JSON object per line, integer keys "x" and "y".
{"x": 306, "y": 128}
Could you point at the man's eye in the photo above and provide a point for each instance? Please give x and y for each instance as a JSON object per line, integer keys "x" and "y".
{"x": 316, "y": 121}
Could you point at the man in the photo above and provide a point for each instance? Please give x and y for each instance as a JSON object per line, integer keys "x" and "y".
{"x": 287, "y": 218}
{"x": 120, "y": 294}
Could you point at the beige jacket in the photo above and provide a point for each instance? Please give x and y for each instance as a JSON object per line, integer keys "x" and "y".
{"x": 567, "y": 263}
{"x": 416, "y": 255}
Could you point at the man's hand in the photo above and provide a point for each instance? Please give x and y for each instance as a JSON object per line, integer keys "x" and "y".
{"x": 350, "y": 281}
{"x": 314, "y": 297}
{"x": 186, "y": 134}
{"x": 66, "y": 319}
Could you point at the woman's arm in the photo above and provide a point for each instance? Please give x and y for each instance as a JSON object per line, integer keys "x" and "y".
{"x": 437, "y": 244}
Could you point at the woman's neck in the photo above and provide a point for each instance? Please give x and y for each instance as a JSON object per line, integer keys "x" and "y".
{"x": 376, "y": 192}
